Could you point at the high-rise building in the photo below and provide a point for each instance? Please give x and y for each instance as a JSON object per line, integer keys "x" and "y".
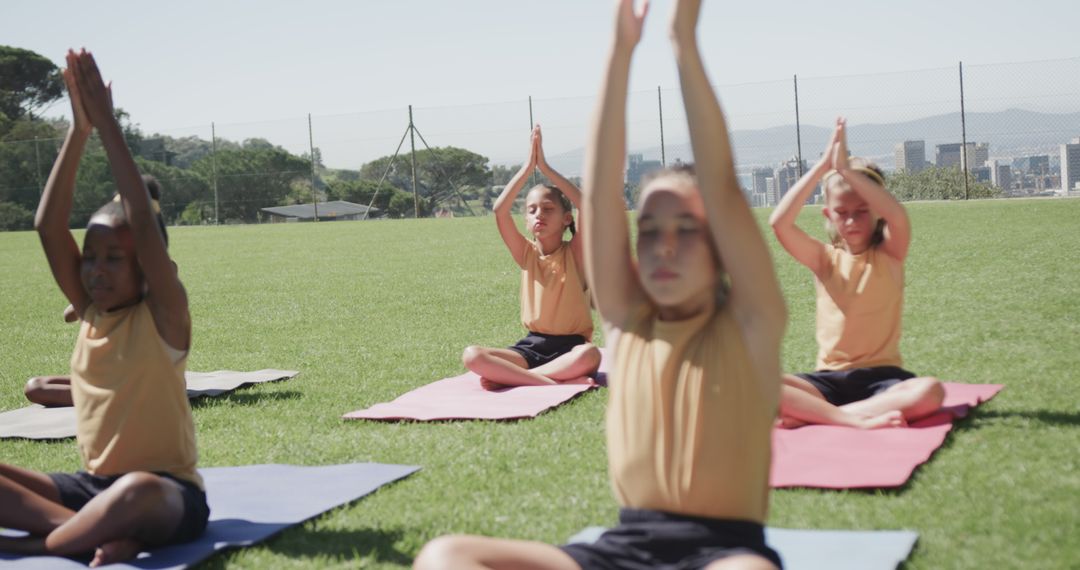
{"x": 1001, "y": 176}
{"x": 911, "y": 156}
{"x": 977, "y": 155}
{"x": 1070, "y": 166}
{"x": 787, "y": 175}
{"x": 637, "y": 167}
{"x": 771, "y": 195}
{"x": 946, "y": 155}
{"x": 982, "y": 174}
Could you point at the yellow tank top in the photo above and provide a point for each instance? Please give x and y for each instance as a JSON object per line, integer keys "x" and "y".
{"x": 689, "y": 421}
{"x": 860, "y": 302}
{"x": 130, "y": 398}
{"x": 554, "y": 299}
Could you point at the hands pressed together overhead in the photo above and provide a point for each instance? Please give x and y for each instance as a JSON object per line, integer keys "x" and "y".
{"x": 91, "y": 97}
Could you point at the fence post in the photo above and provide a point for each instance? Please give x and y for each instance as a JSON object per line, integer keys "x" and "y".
{"x": 412, "y": 142}
{"x": 660, "y": 104}
{"x": 37, "y": 166}
{"x": 213, "y": 169}
{"x": 311, "y": 149}
{"x": 963, "y": 133}
{"x": 798, "y": 126}
{"x": 532, "y": 175}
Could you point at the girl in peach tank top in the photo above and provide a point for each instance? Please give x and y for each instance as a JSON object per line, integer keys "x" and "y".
{"x": 859, "y": 280}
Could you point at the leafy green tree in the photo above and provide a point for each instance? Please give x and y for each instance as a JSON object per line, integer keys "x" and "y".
{"x": 28, "y": 81}
{"x": 937, "y": 183}
{"x": 251, "y": 178}
{"x": 27, "y": 152}
{"x": 14, "y": 217}
{"x": 439, "y": 171}
{"x": 362, "y": 191}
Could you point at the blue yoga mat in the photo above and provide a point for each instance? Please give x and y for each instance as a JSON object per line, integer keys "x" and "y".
{"x": 250, "y": 504}
{"x": 824, "y": 549}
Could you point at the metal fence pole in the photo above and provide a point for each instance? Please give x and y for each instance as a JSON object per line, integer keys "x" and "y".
{"x": 412, "y": 142}
{"x": 660, "y": 104}
{"x": 37, "y": 165}
{"x": 798, "y": 126}
{"x": 532, "y": 175}
{"x": 963, "y": 133}
{"x": 213, "y": 169}
{"x": 311, "y": 149}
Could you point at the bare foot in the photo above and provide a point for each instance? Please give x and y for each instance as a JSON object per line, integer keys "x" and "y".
{"x": 581, "y": 380}
{"x": 887, "y": 420}
{"x": 788, "y": 422}
{"x": 490, "y": 385}
{"x": 116, "y": 551}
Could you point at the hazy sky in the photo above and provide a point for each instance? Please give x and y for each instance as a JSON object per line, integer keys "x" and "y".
{"x": 257, "y": 67}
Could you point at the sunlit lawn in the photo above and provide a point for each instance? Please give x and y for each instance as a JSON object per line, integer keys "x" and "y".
{"x": 369, "y": 310}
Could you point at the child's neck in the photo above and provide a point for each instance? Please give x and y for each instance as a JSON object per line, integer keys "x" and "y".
{"x": 549, "y": 245}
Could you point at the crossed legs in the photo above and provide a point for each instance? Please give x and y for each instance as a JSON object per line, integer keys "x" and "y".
{"x": 801, "y": 403}
{"x": 504, "y": 367}
{"x": 139, "y": 508}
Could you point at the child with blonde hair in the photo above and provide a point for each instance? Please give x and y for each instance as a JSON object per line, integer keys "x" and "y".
{"x": 139, "y": 487}
{"x": 695, "y": 324}
{"x": 859, "y": 279}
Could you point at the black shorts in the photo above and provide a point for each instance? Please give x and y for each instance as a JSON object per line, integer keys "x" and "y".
{"x": 655, "y": 539}
{"x": 846, "y": 386}
{"x": 76, "y": 489}
{"x": 539, "y": 348}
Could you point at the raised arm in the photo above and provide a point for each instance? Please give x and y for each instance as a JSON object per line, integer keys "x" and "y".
{"x": 504, "y": 206}
{"x": 881, "y": 202}
{"x": 166, "y": 297}
{"x": 569, "y": 189}
{"x": 608, "y": 264}
{"x": 755, "y": 293}
{"x": 53, "y": 214}
{"x": 804, "y": 248}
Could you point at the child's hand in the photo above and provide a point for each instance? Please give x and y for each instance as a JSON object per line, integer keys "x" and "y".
{"x": 538, "y": 146}
{"x": 79, "y": 121}
{"x": 684, "y": 19}
{"x": 830, "y": 148}
{"x": 96, "y": 96}
{"x": 840, "y": 150}
{"x": 534, "y": 148}
{"x": 628, "y": 23}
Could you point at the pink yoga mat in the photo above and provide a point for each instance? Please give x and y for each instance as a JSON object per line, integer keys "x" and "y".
{"x": 832, "y": 457}
{"x": 462, "y": 398}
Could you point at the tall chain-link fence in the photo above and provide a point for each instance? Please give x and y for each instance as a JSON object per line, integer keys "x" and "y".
{"x": 997, "y": 130}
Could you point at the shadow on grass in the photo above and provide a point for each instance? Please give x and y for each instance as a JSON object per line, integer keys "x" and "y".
{"x": 315, "y": 546}
{"x": 1051, "y": 417}
{"x": 246, "y": 398}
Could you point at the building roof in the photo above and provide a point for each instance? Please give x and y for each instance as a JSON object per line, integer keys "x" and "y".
{"x": 333, "y": 209}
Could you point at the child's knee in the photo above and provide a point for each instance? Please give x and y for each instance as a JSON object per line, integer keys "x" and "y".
{"x": 933, "y": 390}
{"x": 141, "y": 490}
{"x": 472, "y": 354}
{"x": 444, "y": 552}
{"x": 33, "y": 386}
{"x": 588, "y": 354}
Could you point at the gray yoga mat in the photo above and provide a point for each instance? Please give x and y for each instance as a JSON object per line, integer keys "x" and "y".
{"x": 39, "y": 422}
{"x": 250, "y": 504}
{"x": 824, "y": 549}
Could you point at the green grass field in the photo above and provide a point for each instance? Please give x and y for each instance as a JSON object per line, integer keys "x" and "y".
{"x": 367, "y": 311}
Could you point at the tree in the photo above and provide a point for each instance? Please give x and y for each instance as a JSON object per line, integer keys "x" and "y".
{"x": 249, "y": 179}
{"x": 28, "y": 81}
{"x": 14, "y": 217}
{"x": 439, "y": 171}
{"x": 938, "y": 183}
{"x": 362, "y": 191}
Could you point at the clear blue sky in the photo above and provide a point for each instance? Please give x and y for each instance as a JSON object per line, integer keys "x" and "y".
{"x": 185, "y": 64}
